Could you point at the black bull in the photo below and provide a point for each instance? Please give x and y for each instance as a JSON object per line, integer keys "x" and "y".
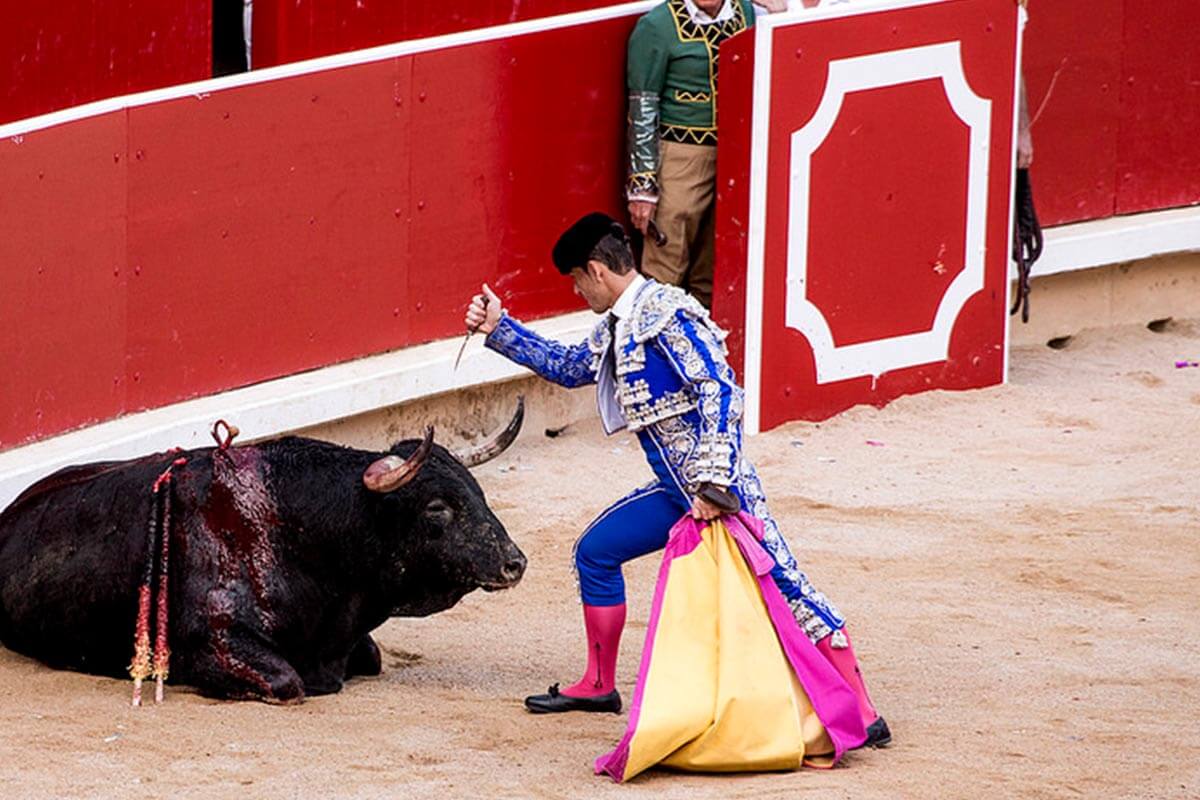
{"x": 284, "y": 555}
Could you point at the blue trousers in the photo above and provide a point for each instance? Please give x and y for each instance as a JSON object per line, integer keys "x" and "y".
{"x": 639, "y": 523}
{"x": 633, "y": 526}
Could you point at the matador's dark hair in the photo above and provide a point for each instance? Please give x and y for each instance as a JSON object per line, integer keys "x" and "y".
{"x": 594, "y": 237}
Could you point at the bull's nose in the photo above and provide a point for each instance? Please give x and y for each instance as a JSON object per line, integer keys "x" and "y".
{"x": 513, "y": 569}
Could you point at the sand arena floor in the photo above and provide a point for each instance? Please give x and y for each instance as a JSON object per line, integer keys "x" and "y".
{"x": 1020, "y": 567}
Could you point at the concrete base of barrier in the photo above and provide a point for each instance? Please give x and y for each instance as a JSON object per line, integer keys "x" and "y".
{"x": 1064, "y": 303}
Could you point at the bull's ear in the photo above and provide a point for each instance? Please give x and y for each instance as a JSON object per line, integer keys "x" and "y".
{"x": 391, "y": 472}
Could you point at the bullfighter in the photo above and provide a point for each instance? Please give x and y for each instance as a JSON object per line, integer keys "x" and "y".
{"x": 658, "y": 361}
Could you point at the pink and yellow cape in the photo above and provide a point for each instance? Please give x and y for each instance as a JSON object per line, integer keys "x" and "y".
{"x": 728, "y": 681}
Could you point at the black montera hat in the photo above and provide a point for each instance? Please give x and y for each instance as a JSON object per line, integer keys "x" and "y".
{"x": 576, "y": 244}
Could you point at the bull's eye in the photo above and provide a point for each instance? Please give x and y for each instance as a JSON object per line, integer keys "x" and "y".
{"x": 439, "y": 512}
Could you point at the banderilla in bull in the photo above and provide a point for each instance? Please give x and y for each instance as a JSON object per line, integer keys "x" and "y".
{"x": 154, "y": 590}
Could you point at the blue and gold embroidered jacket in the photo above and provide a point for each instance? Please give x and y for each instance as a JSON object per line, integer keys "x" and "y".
{"x": 678, "y": 393}
{"x": 672, "y": 382}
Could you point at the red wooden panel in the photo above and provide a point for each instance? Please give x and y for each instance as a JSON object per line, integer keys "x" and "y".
{"x": 62, "y": 277}
{"x": 1072, "y": 66}
{"x": 262, "y": 230}
{"x": 904, "y": 196}
{"x": 284, "y": 226}
{"x": 500, "y": 170}
{"x": 166, "y": 43}
{"x": 268, "y": 225}
{"x": 52, "y": 57}
{"x": 1158, "y": 157}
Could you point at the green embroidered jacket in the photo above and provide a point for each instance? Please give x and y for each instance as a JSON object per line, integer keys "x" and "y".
{"x": 671, "y": 76}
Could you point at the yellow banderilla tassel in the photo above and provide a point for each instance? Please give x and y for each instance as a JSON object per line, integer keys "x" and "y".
{"x": 140, "y": 667}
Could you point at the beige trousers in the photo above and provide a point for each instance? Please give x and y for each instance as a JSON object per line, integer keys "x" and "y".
{"x": 687, "y": 181}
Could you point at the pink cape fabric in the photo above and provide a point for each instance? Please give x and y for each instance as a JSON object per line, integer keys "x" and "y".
{"x": 832, "y": 699}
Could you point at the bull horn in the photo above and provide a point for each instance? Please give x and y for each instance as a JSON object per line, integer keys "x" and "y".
{"x": 391, "y": 472}
{"x": 488, "y": 450}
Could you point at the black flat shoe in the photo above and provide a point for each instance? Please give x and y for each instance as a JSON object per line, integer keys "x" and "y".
{"x": 878, "y": 734}
{"x": 555, "y": 701}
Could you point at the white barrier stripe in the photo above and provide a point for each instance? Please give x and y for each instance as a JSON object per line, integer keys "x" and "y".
{"x": 760, "y": 121}
{"x": 1115, "y": 240}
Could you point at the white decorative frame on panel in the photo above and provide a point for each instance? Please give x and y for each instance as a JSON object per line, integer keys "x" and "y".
{"x": 939, "y": 61}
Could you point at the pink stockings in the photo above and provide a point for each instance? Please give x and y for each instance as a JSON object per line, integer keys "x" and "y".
{"x": 603, "y": 625}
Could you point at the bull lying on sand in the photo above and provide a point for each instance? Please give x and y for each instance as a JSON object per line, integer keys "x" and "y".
{"x": 284, "y": 555}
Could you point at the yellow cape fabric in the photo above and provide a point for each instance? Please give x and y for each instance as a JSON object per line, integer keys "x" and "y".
{"x": 720, "y": 695}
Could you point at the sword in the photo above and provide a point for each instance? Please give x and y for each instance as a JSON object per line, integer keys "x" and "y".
{"x": 470, "y": 333}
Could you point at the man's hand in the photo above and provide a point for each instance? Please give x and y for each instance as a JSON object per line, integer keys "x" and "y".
{"x": 484, "y": 312}
{"x": 640, "y": 214}
{"x": 1024, "y": 149}
{"x": 704, "y": 510}
{"x": 1024, "y": 135}
{"x": 774, "y": 6}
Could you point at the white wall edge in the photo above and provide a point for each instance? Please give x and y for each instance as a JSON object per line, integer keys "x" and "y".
{"x": 760, "y": 123}
{"x": 283, "y": 405}
{"x": 1115, "y": 240}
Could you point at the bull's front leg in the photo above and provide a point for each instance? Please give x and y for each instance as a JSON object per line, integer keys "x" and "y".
{"x": 333, "y": 671}
{"x": 241, "y": 661}
{"x": 365, "y": 658}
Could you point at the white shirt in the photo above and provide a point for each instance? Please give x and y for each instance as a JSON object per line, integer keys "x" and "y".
{"x": 611, "y": 415}
{"x": 702, "y": 18}
{"x": 624, "y": 305}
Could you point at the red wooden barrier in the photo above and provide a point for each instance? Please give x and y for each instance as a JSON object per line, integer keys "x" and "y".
{"x": 1120, "y": 84}
{"x": 184, "y": 247}
{"x": 199, "y": 244}
{"x": 1158, "y": 150}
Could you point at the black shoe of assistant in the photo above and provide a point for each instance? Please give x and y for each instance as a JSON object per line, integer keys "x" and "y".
{"x": 878, "y": 734}
{"x": 555, "y": 701}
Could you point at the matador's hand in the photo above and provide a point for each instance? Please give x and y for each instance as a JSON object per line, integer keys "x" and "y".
{"x": 484, "y": 312}
{"x": 704, "y": 510}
